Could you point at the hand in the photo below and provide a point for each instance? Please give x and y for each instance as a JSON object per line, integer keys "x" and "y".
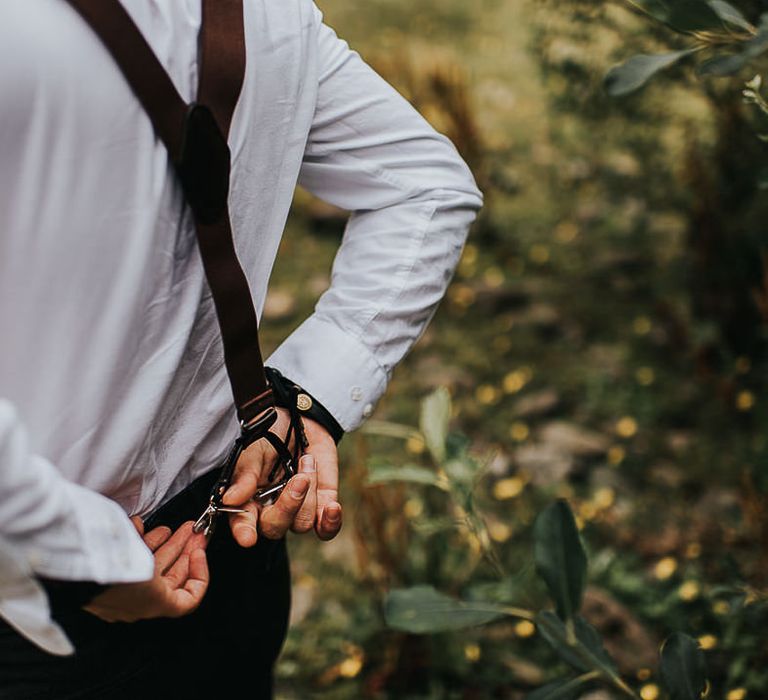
{"x": 309, "y": 500}
{"x": 176, "y": 589}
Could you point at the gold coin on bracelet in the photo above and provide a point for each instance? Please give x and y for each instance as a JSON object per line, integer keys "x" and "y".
{"x": 303, "y": 402}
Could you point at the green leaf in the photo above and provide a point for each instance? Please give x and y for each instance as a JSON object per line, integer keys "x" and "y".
{"x": 658, "y": 9}
{"x": 684, "y": 16}
{"x": 638, "y": 70}
{"x": 423, "y": 610}
{"x": 389, "y": 429}
{"x": 693, "y": 16}
{"x": 563, "y": 689}
{"x": 409, "y": 473}
{"x": 762, "y": 179}
{"x": 435, "y": 415}
{"x": 758, "y": 44}
{"x": 723, "y": 65}
{"x": 729, "y": 64}
{"x": 560, "y": 558}
{"x": 683, "y": 668}
{"x": 461, "y": 471}
{"x": 584, "y": 651}
{"x": 730, "y": 14}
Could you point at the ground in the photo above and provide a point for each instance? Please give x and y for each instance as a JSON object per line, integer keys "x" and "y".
{"x": 560, "y": 344}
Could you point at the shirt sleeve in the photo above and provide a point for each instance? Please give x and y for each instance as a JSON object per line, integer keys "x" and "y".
{"x": 23, "y": 603}
{"x": 52, "y": 527}
{"x": 412, "y": 199}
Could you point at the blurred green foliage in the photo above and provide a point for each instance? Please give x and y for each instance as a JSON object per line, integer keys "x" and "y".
{"x": 616, "y": 297}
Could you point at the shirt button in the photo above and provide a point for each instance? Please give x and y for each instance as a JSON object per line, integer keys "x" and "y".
{"x": 356, "y": 393}
{"x": 35, "y": 558}
{"x": 367, "y": 410}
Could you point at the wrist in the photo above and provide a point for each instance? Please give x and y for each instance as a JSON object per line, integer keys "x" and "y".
{"x": 293, "y": 397}
{"x": 70, "y": 595}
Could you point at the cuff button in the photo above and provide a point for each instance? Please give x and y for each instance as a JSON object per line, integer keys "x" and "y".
{"x": 303, "y": 402}
{"x": 356, "y": 393}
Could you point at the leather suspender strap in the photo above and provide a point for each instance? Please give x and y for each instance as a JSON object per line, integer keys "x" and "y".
{"x": 195, "y": 136}
{"x": 222, "y": 44}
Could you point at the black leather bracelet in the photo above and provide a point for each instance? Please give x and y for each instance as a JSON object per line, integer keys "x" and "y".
{"x": 293, "y": 397}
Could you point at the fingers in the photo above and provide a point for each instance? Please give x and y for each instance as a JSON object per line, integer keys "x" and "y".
{"x": 186, "y": 599}
{"x": 197, "y": 581}
{"x": 278, "y": 517}
{"x": 177, "y": 574}
{"x": 329, "y": 521}
{"x": 329, "y": 515}
{"x": 186, "y": 579}
{"x": 305, "y": 518}
{"x": 190, "y": 572}
{"x": 169, "y": 551}
{"x": 243, "y": 525}
{"x": 244, "y": 485}
{"x": 177, "y": 588}
{"x": 138, "y": 523}
{"x": 154, "y": 539}
{"x": 253, "y": 463}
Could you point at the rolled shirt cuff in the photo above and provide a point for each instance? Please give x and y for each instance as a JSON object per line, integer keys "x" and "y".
{"x": 335, "y": 367}
{"x": 106, "y": 547}
{"x": 23, "y": 604}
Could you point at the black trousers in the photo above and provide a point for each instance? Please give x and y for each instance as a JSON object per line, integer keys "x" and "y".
{"x": 227, "y": 647}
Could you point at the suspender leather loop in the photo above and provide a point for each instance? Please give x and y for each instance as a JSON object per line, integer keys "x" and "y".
{"x": 203, "y": 165}
{"x": 223, "y": 58}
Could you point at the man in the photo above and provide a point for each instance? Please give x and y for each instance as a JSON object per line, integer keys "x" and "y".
{"x": 113, "y": 392}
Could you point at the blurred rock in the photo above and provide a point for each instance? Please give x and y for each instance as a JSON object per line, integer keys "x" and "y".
{"x": 623, "y": 163}
{"x": 319, "y": 210}
{"x": 524, "y": 671}
{"x": 679, "y": 440}
{"x": 317, "y": 284}
{"x": 541, "y": 315}
{"x": 499, "y": 299}
{"x": 537, "y": 404}
{"x": 432, "y": 371}
{"x": 624, "y": 637}
{"x": 602, "y": 477}
{"x": 280, "y": 304}
{"x": 624, "y": 261}
{"x": 499, "y": 464}
{"x": 667, "y": 474}
{"x": 302, "y": 599}
{"x": 544, "y": 464}
{"x": 573, "y": 439}
{"x": 609, "y": 358}
{"x": 341, "y": 550}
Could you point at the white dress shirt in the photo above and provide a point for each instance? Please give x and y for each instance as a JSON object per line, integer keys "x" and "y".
{"x": 113, "y": 392}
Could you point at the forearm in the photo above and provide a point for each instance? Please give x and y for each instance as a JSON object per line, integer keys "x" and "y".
{"x": 56, "y": 529}
{"x": 412, "y": 200}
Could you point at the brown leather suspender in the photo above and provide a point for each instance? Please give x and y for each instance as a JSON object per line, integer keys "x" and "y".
{"x": 195, "y": 136}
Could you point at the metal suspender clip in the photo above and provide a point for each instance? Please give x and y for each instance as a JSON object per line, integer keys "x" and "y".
{"x": 285, "y": 463}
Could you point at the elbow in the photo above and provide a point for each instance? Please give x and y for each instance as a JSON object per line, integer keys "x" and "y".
{"x": 454, "y": 185}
